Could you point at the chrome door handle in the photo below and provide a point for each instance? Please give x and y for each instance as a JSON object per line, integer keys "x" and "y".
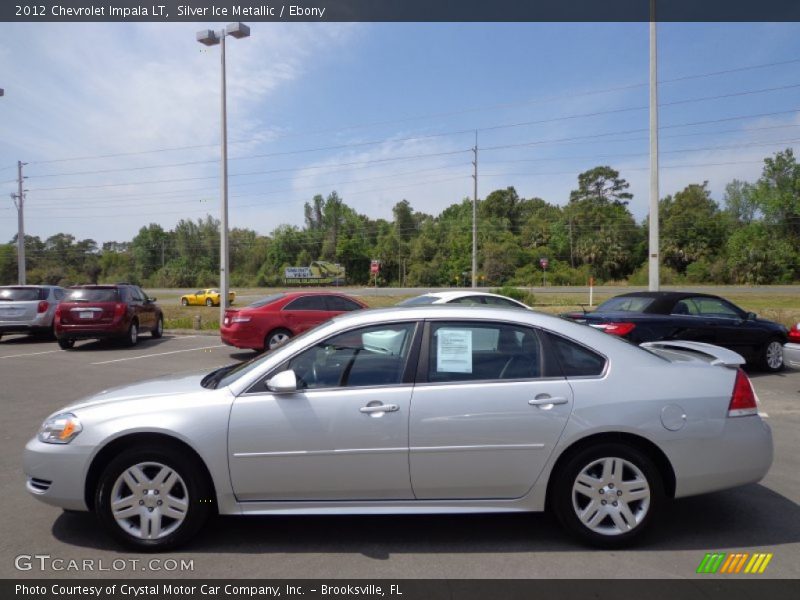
{"x": 544, "y": 400}
{"x": 379, "y": 408}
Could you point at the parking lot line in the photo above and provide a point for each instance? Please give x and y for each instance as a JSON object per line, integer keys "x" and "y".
{"x": 105, "y": 362}
{"x": 29, "y": 354}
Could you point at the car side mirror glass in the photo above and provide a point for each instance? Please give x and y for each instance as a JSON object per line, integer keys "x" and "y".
{"x": 283, "y": 382}
{"x": 152, "y": 299}
{"x": 751, "y": 316}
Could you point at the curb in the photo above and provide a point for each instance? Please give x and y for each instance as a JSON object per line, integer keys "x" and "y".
{"x": 205, "y": 332}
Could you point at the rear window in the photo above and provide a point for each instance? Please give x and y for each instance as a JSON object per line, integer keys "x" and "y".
{"x": 267, "y": 300}
{"x": 20, "y": 294}
{"x": 625, "y": 304}
{"x": 93, "y": 295}
{"x": 418, "y": 300}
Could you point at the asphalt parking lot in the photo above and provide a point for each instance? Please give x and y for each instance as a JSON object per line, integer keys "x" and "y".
{"x": 37, "y": 378}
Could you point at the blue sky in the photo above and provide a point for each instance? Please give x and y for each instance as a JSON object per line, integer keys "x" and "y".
{"x": 391, "y": 99}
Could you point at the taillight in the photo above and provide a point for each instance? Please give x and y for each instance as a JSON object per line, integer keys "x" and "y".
{"x": 743, "y": 401}
{"x": 794, "y": 333}
{"x": 119, "y": 310}
{"x": 43, "y": 306}
{"x": 618, "y": 328}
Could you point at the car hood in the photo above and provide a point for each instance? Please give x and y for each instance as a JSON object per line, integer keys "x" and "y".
{"x": 170, "y": 385}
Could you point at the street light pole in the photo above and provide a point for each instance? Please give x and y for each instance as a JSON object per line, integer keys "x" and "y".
{"x": 212, "y": 38}
{"x": 653, "y": 242}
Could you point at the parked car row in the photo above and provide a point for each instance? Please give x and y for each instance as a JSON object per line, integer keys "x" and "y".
{"x": 120, "y": 311}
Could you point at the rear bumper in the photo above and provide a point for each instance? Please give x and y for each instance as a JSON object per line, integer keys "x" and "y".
{"x": 41, "y": 322}
{"x": 96, "y": 331}
{"x": 741, "y": 454}
{"x": 241, "y": 339}
{"x": 791, "y": 355}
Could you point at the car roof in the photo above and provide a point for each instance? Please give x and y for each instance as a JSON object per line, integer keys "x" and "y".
{"x": 294, "y": 294}
{"x": 453, "y": 294}
{"x": 666, "y": 295}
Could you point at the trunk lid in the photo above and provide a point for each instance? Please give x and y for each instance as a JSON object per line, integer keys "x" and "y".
{"x": 20, "y": 303}
{"x": 85, "y": 306}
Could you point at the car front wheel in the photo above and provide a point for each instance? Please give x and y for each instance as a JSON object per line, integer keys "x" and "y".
{"x": 158, "y": 330}
{"x": 153, "y": 500}
{"x": 772, "y": 356}
{"x": 209, "y": 302}
{"x": 65, "y": 344}
{"x": 184, "y": 302}
{"x": 607, "y": 495}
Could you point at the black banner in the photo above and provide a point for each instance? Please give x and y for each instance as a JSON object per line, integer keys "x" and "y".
{"x": 398, "y": 10}
{"x": 712, "y": 588}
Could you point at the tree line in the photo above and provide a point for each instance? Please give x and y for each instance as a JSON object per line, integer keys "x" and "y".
{"x": 751, "y": 237}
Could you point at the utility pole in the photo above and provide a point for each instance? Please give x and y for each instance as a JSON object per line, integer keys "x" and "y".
{"x": 571, "y": 250}
{"x": 19, "y": 202}
{"x": 475, "y": 216}
{"x": 653, "y": 271}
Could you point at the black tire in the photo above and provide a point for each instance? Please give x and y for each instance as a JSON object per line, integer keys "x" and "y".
{"x": 276, "y": 337}
{"x": 209, "y": 302}
{"x": 65, "y": 343}
{"x": 192, "y": 481}
{"x": 771, "y": 356}
{"x": 184, "y": 302}
{"x": 606, "y": 532}
{"x": 158, "y": 330}
{"x": 132, "y": 338}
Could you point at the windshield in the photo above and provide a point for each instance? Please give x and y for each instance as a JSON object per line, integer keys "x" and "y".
{"x": 419, "y": 300}
{"x": 267, "y": 300}
{"x": 93, "y": 295}
{"x": 22, "y": 294}
{"x": 625, "y": 304}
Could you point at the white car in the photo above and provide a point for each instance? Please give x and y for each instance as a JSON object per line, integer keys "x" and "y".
{"x": 791, "y": 351}
{"x": 464, "y": 298}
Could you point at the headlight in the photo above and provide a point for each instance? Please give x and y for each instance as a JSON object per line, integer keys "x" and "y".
{"x": 60, "y": 429}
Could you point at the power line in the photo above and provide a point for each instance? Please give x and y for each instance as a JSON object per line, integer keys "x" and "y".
{"x": 428, "y": 116}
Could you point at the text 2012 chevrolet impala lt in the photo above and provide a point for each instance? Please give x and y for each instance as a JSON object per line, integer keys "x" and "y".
{"x": 429, "y": 409}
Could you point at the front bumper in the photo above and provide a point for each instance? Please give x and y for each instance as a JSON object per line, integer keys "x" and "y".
{"x": 791, "y": 355}
{"x": 56, "y": 473}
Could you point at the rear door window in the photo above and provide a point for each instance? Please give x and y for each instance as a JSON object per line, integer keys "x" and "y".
{"x": 339, "y": 303}
{"x": 307, "y": 303}
{"x": 464, "y": 351}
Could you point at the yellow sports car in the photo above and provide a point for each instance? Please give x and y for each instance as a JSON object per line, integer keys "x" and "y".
{"x": 209, "y": 297}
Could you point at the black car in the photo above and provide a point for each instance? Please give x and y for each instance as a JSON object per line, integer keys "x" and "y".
{"x": 655, "y": 316}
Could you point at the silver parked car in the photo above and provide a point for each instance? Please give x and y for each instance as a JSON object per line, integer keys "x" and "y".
{"x": 29, "y": 308}
{"x": 413, "y": 410}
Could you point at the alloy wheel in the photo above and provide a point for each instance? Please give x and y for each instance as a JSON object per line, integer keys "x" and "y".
{"x": 774, "y": 355}
{"x": 611, "y": 496}
{"x": 149, "y": 500}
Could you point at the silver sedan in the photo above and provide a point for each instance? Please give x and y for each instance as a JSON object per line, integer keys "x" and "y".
{"x": 413, "y": 410}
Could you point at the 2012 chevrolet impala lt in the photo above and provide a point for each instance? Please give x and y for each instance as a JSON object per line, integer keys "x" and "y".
{"x": 429, "y": 409}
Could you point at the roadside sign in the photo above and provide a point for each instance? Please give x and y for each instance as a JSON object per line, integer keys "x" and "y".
{"x": 375, "y": 267}
{"x": 543, "y": 262}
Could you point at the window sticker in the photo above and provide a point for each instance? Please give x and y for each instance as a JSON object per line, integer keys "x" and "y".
{"x": 454, "y": 351}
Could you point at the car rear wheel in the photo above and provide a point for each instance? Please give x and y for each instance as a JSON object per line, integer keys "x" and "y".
{"x": 153, "y": 500}
{"x": 184, "y": 302}
{"x": 133, "y": 334}
{"x": 66, "y": 344}
{"x": 772, "y": 356}
{"x": 158, "y": 330}
{"x": 276, "y": 338}
{"x": 209, "y": 302}
{"x": 607, "y": 495}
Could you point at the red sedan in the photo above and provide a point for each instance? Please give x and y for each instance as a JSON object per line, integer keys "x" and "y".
{"x": 274, "y": 319}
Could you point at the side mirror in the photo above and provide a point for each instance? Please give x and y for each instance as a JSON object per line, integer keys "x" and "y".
{"x": 152, "y": 299}
{"x": 751, "y": 316}
{"x": 283, "y": 382}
